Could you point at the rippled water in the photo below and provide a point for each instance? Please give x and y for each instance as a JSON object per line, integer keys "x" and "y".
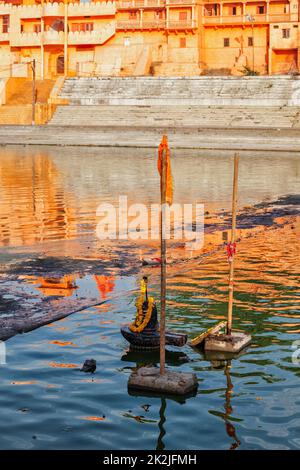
{"x": 48, "y": 203}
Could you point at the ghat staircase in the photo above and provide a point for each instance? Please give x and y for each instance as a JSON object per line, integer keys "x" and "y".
{"x": 180, "y": 102}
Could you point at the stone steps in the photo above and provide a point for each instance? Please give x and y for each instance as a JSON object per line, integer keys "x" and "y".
{"x": 197, "y": 91}
{"x": 176, "y": 116}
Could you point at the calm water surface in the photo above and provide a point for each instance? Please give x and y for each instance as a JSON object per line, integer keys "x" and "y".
{"x": 48, "y": 201}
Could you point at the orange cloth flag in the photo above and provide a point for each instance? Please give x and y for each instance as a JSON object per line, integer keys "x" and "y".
{"x": 169, "y": 180}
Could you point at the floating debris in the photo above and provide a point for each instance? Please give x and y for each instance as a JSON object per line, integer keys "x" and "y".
{"x": 90, "y": 365}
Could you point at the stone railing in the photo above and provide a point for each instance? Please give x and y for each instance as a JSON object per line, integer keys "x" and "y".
{"x": 26, "y": 39}
{"x": 232, "y": 19}
{"x": 53, "y": 37}
{"x": 279, "y": 17}
{"x": 128, "y": 4}
{"x": 181, "y": 2}
{"x": 181, "y": 25}
{"x": 98, "y": 8}
{"x": 92, "y": 8}
{"x": 98, "y": 36}
{"x": 133, "y": 25}
{"x": 54, "y": 9}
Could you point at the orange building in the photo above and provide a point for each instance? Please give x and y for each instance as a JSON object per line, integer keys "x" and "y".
{"x": 144, "y": 37}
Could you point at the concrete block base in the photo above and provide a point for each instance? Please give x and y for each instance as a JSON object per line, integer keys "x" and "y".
{"x": 227, "y": 343}
{"x": 171, "y": 383}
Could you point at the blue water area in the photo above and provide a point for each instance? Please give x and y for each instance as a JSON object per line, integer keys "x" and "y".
{"x": 251, "y": 401}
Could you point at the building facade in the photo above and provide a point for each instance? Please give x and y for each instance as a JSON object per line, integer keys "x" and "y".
{"x": 148, "y": 37}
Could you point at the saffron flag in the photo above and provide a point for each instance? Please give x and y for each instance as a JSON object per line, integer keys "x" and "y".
{"x": 163, "y": 146}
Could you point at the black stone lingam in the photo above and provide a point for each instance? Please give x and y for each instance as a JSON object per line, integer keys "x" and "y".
{"x": 149, "y": 338}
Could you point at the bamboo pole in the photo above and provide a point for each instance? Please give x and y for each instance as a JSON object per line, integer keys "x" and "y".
{"x": 233, "y": 238}
{"x": 163, "y": 262}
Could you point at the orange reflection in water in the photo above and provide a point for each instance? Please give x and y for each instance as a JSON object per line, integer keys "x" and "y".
{"x": 62, "y": 343}
{"x": 93, "y": 418}
{"x": 105, "y": 284}
{"x": 34, "y": 205}
{"x": 62, "y": 365}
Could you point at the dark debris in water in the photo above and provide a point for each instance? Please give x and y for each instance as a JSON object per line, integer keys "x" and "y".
{"x": 262, "y": 214}
{"x": 60, "y": 266}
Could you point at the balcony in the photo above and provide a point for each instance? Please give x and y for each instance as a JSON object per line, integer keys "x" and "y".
{"x": 52, "y": 37}
{"x": 98, "y": 36}
{"x": 239, "y": 19}
{"x": 103, "y": 8}
{"x": 135, "y": 4}
{"x": 139, "y": 25}
{"x": 97, "y": 8}
{"x": 54, "y": 9}
{"x": 181, "y": 2}
{"x": 278, "y": 18}
{"x": 26, "y": 39}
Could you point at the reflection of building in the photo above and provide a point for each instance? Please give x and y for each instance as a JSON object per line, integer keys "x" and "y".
{"x": 63, "y": 286}
{"x": 34, "y": 206}
{"x": 137, "y": 37}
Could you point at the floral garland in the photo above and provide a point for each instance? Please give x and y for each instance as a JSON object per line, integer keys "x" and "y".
{"x": 140, "y": 324}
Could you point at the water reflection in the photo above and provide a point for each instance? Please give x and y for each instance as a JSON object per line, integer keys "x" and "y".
{"x": 227, "y": 415}
{"x": 48, "y": 201}
{"x": 52, "y": 193}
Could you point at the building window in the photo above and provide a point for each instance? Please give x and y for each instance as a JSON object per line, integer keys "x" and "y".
{"x": 5, "y": 23}
{"x": 82, "y": 27}
{"x": 132, "y": 15}
{"x": 182, "y": 42}
{"x": 234, "y": 11}
{"x": 211, "y": 10}
{"x": 286, "y": 33}
{"x": 159, "y": 15}
{"x": 37, "y": 28}
{"x": 250, "y": 41}
{"x": 226, "y": 42}
{"x": 261, "y": 10}
{"x": 182, "y": 15}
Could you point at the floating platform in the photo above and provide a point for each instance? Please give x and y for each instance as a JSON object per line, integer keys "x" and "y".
{"x": 172, "y": 383}
{"x": 233, "y": 343}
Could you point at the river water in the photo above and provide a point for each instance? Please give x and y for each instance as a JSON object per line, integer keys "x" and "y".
{"x": 48, "y": 202}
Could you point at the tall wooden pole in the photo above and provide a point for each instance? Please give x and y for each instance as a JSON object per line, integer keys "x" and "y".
{"x": 33, "y": 92}
{"x": 233, "y": 238}
{"x": 163, "y": 262}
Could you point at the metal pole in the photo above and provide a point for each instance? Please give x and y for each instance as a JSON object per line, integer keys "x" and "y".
{"x": 163, "y": 263}
{"x": 33, "y": 92}
{"x": 233, "y": 238}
